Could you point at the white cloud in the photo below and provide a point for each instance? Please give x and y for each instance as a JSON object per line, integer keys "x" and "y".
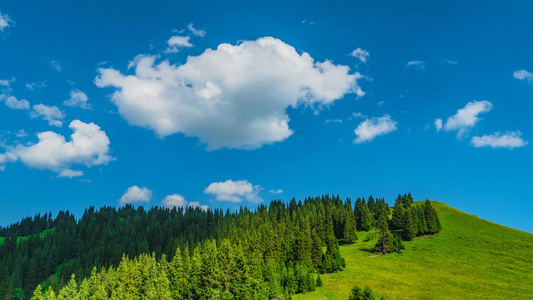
{"x": 370, "y": 128}
{"x": 358, "y": 115}
{"x": 176, "y": 42}
{"x": 195, "y": 31}
{"x": 78, "y": 98}
{"x": 333, "y": 121}
{"x": 21, "y": 133}
{"x": 467, "y": 117}
{"x": 523, "y": 75}
{"x": 6, "y": 82}
{"x": 381, "y": 103}
{"x": 233, "y": 96}
{"x": 416, "y": 64}
{"x": 235, "y": 191}
{"x": 196, "y": 204}
{"x": 32, "y": 85}
{"x": 176, "y": 200}
{"x": 279, "y": 191}
{"x": 13, "y": 103}
{"x": 510, "y": 140}
{"x": 52, "y": 114}
{"x": 5, "y": 21}
{"x": 134, "y": 194}
{"x": 7, "y": 157}
{"x": 88, "y": 146}
{"x": 451, "y": 62}
{"x": 438, "y": 124}
{"x": 361, "y": 54}
{"x": 56, "y": 65}
{"x": 70, "y": 173}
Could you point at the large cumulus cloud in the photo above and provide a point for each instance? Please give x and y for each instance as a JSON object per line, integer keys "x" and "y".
{"x": 235, "y": 96}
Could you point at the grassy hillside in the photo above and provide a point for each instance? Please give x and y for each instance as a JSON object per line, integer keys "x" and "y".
{"x": 470, "y": 259}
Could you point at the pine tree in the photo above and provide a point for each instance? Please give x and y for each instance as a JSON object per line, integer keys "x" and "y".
{"x": 397, "y": 214}
{"x": 349, "y": 234}
{"x": 408, "y": 225}
{"x": 432, "y": 219}
{"x": 366, "y": 218}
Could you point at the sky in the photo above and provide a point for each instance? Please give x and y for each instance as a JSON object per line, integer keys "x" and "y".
{"x": 216, "y": 104}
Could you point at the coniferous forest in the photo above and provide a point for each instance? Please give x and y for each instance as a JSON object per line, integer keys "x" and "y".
{"x": 272, "y": 252}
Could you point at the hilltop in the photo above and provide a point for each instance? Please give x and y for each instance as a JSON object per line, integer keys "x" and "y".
{"x": 470, "y": 259}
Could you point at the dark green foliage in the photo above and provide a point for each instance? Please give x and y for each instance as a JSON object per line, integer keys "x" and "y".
{"x": 362, "y": 215}
{"x": 358, "y": 293}
{"x": 318, "y": 281}
{"x": 397, "y": 214}
{"x": 432, "y": 220}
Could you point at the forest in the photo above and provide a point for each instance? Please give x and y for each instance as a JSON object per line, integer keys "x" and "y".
{"x": 271, "y": 252}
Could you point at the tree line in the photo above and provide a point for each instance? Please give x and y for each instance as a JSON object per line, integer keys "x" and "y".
{"x": 278, "y": 246}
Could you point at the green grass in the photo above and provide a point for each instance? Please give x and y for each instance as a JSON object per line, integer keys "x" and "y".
{"x": 22, "y": 238}
{"x": 470, "y": 259}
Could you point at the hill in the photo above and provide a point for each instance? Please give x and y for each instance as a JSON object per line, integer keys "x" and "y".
{"x": 470, "y": 259}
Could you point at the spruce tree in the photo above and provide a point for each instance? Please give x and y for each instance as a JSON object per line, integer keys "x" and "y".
{"x": 397, "y": 215}
{"x": 366, "y": 218}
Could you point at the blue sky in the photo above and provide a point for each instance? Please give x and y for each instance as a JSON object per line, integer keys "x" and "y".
{"x": 223, "y": 104}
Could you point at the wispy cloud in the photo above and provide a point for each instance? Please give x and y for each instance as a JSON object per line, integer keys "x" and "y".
{"x": 361, "y": 54}
{"x": 418, "y": 64}
{"x": 5, "y": 21}
{"x": 176, "y": 42}
{"x": 373, "y": 127}
{"x": 194, "y": 31}
{"x": 523, "y": 75}
{"x": 465, "y": 118}
{"x": 509, "y": 140}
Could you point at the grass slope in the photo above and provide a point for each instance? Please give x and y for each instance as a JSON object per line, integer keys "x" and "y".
{"x": 470, "y": 259}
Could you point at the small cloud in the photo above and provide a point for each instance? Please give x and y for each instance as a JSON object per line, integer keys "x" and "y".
{"x": 56, "y": 65}
{"x": 21, "y": 133}
{"x": 13, "y": 103}
{"x": 102, "y": 63}
{"x": 308, "y": 22}
{"x": 178, "y": 30}
{"x": 52, "y": 114}
{"x": 451, "y": 62}
{"x": 418, "y": 64}
{"x": 176, "y": 42}
{"x": 510, "y": 140}
{"x": 370, "y": 128}
{"x": 381, "y": 103}
{"x": 6, "y": 82}
{"x": 279, "y": 191}
{"x": 194, "y": 31}
{"x": 523, "y": 75}
{"x": 358, "y": 115}
{"x": 466, "y": 117}
{"x": 5, "y": 22}
{"x": 78, "y": 98}
{"x": 176, "y": 200}
{"x": 197, "y": 204}
{"x": 361, "y": 54}
{"x": 438, "y": 124}
{"x": 70, "y": 173}
{"x": 235, "y": 191}
{"x": 86, "y": 180}
{"x": 135, "y": 194}
{"x": 32, "y": 85}
{"x": 88, "y": 146}
{"x": 333, "y": 121}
